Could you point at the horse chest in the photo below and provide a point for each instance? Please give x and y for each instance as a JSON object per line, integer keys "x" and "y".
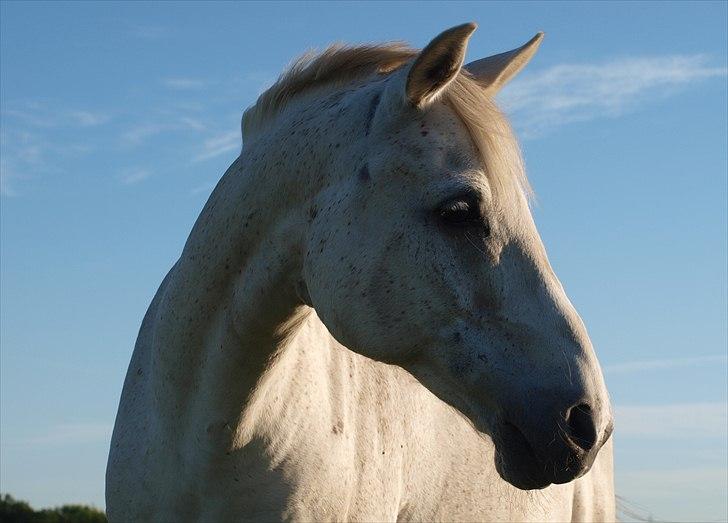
{"x": 320, "y": 475}
{"x": 335, "y": 474}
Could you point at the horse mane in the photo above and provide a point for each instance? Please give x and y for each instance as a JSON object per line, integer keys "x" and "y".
{"x": 341, "y": 64}
{"x": 337, "y": 64}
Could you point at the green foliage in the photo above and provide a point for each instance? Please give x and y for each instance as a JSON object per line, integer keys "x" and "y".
{"x": 14, "y": 511}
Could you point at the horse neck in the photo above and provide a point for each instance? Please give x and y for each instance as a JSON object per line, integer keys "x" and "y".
{"x": 231, "y": 303}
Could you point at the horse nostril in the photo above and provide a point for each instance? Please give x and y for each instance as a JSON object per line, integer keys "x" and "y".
{"x": 582, "y": 429}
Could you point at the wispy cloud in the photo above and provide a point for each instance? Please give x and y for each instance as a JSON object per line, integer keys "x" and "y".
{"x": 218, "y": 145}
{"x": 28, "y": 117}
{"x": 134, "y": 176}
{"x": 42, "y": 116}
{"x": 28, "y": 152}
{"x": 88, "y": 118}
{"x": 67, "y": 434}
{"x": 8, "y": 177}
{"x": 21, "y": 153}
{"x": 184, "y": 83}
{"x": 259, "y": 80}
{"x": 578, "y": 92}
{"x": 23, "y": 146}
{"x": 664, "y": 363}
{"x": 667, "y": 491}
{"x": 149, "y": 32}
{"x": 687, "y": 421}
{"x": 138, "y": 133}
{"x": 204, "y": 188}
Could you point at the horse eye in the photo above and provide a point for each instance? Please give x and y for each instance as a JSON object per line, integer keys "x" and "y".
{"x": 459, "y": 212}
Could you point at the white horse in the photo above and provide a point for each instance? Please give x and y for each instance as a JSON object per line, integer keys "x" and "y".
{"x": 363, "y": 324}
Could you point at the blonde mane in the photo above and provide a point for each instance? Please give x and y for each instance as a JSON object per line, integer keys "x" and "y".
{"x": 336, "y": 65}
{"x": 341, "y": 64}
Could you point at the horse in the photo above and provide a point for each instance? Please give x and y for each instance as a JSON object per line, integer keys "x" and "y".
{"x": 363, "y": 323}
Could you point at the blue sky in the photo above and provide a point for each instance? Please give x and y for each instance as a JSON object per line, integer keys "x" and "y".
{"x": 116, "y": 120}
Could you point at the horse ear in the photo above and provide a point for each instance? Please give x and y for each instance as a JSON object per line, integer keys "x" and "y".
{"x": 495, "y": 71}
{"x": 438, "y": 64}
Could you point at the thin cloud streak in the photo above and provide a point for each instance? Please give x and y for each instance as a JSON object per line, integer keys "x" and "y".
{"x": 135, "y": 176}
{"x": 219, "y": 145}
{"x": 689, "y": 421}
{"x": 665, "y": 363}
{"x": 23, "y": 155}
{"x": 149, "y": 32}
{"x": 141, "y": 132}
{"x": 37, "y": 115}
{"x": 88, "y": 118}
{"x": 184, "y": 83}
{"x": 658, "y": 489}
{"x": 67, "y": 434}
{"x": 7, "y": 179}
{"x": 568, "y": 93}
{"x": 26, "y": 155}
{"x": 204, "y": 188}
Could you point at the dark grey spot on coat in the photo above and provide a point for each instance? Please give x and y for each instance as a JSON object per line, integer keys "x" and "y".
{"x": 364, "y": 173}
{"x": 371, "y": 112}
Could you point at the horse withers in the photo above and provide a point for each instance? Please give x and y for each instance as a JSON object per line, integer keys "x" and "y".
{"x": 363, "y": 324}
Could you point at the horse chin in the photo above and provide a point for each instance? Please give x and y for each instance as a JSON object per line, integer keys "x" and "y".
{"x": 516, "y": 461}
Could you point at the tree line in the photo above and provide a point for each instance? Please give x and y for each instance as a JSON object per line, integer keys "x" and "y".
{"x": 15, "y": 511}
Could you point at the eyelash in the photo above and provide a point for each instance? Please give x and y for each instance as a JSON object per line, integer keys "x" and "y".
{"x": 462, "y": 211}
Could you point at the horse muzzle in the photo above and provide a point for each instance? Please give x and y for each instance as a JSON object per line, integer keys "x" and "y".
{"x": 532, "y": 454}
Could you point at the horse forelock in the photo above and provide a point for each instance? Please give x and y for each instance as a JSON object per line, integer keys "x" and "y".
{"x": 492, "y": 135}
{"x": 340, "y": 64}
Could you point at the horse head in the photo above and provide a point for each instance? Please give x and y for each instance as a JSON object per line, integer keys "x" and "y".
{"x": 432, "y": 262}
